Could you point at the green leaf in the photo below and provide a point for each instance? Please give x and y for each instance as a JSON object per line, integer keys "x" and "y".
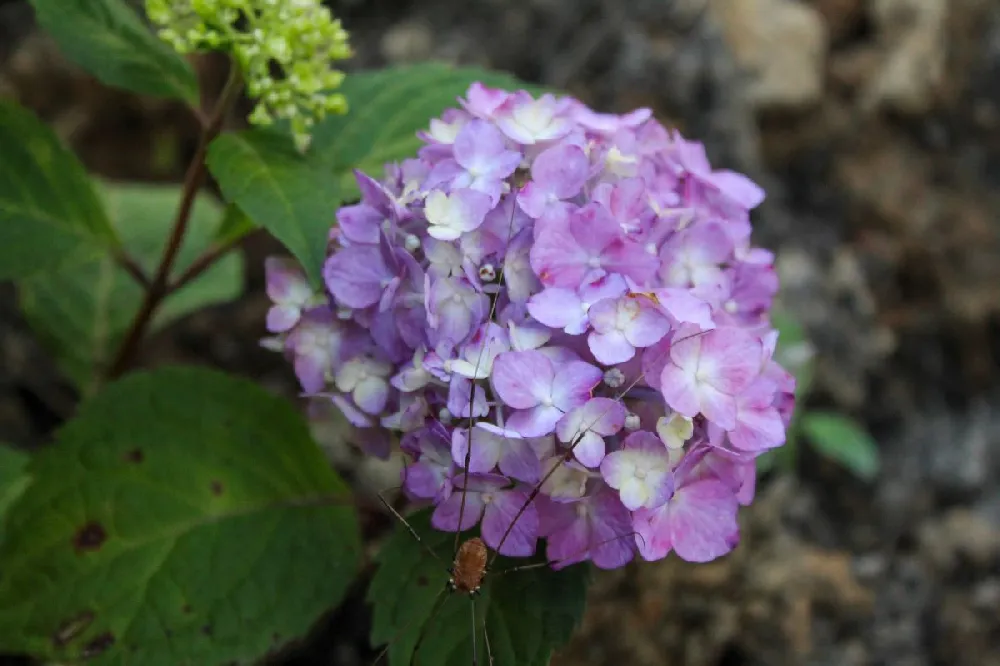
{"x": 49, "y": 213}
{"x": 82, "y": 312}
{"x": 388, "y": 108}
{"x": 183, "y": 517}
{"x": 289, "y": 194}
{"x": 108, "y": 39}
{"x": 14, "y": 479}
{"x": 527, "y": 614}
{"x": 842, "y": 439}
{"x": 235, "y": 225}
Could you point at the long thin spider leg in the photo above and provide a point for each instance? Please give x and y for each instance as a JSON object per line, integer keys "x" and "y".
{"x": 567, "y": 456}
{"x": 409, "y": 625}
{"x": 475, "y": 656}
{"x": 486, "y": 638}
{"x": 552, "y": 563}
{"x": 412, "y": 531}
{"x": 475, "y": 373}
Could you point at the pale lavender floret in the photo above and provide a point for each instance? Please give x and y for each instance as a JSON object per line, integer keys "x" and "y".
{"x": 707, "y": 372}
{"x": 366, "y": 379}
{"x": 568, "y": 309}
{"x": 557, "y": 174}
{"x": 454, "y": 309}
{"x": 481, "y": 161}
{"x": 640, "y": 471}
{"x": 694, "y": 256}
{"x": 596, "y": 527}
{"x": 589, "y": 243}
{"x": 289, "y": 290}
{"x": 623, "y": 324}
{"x": 483, "y": 101}
{"x": 698, "y": 523}
{"x": 318, "y": 344}
{"x": 451, "y": 215}
{"x": 541, "y": 392}
{"x": 529, "y": 121}
{"x": 586, "y": 426}
{"x": 758, "y": 422}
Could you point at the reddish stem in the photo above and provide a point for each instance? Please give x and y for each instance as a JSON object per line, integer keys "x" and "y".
{"x": 159, "y": 288}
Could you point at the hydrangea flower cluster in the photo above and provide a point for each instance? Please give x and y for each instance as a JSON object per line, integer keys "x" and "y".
{"x": 553, "y": 304}
{"x": 298, "y": 36}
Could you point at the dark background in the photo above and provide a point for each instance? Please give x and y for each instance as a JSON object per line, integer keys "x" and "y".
{"x": 874, "y": 125}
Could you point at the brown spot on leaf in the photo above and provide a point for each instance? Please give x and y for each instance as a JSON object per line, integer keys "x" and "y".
{"x": 90, "y": 537}
{"x": 135, "y": 456}
{"x": 216, "y": 488}
{"x": 97, "y": 645}
{"x": 422, "y": 581}
{"x": 186, "y": 608}
{"x": 72, "y": 628}
{"x": 207, "y": 629}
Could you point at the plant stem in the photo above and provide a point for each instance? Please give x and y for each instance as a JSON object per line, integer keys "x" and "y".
{"x": 203, "y": 263}
{"x": 159, "y": 287}
{"x": 133, "y": 268}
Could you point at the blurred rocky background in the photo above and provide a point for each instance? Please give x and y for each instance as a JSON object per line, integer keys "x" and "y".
{"x": 874, "y": 125}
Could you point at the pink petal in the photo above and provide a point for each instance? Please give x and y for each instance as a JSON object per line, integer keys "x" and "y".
{"x": 685, "y": 308}
{"x": 557, "y": 307}
{"x": 647, "y": 328}
{"x": 733, "y": 358}
{"x": 610, "y": 348}
{"x": 680, "y": 390}
{"x": 703, "y": 521}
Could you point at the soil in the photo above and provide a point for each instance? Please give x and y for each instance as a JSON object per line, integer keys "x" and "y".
{"x": 874, "y": 125}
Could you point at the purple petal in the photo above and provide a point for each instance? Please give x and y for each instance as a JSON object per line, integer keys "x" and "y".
{"x": 371, "y": 395}
{"x": 357, "y": 276}
{"x": 360, "y": 223}
{"x": 522, "y": 379}
{"x": 281, "y": 318}
{"x": 573, "y": 384}
{"x": 535, "y": 422}
{"x": 486, "y": 449}
{"x": 446, "y": 515}
{"x": 503, "y": 512}
{"x": 613, "y": 543}
{"x": 561, "y": 170}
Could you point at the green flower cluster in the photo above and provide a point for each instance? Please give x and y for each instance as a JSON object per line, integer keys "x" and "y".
{"x": 284, "y": 47}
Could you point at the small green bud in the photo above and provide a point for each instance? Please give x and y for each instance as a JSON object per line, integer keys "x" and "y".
{"x": 285, "y": 49}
